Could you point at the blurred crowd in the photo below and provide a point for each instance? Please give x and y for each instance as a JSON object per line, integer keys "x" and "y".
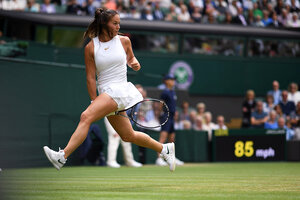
{"x": 279, "y": 110}
{"x": 260, "y": 13}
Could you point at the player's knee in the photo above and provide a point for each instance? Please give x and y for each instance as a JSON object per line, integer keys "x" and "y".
{"x": 128, "y": 138}
{"x": 85, "y": 118}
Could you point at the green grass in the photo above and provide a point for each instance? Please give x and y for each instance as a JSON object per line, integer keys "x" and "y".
{"x": 193, "y": 181}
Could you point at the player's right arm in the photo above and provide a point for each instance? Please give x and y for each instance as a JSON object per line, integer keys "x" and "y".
{"x": 90, "y": 69}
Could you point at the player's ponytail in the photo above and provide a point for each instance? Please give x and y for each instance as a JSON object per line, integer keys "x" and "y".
{"x": 101, "y": 18}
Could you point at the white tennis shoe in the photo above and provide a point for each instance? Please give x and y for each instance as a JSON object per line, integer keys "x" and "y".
{"x": 55, "y": 157}
{"x": 169, "y": 155}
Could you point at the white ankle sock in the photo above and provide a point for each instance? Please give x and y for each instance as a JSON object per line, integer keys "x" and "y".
{"x": 164, "y": 149}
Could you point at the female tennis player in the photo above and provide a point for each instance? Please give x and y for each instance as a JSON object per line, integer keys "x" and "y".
{"x": 106, "y": 56}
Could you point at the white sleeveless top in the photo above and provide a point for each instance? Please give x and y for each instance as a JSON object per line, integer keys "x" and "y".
{"x": 110, "y": 60}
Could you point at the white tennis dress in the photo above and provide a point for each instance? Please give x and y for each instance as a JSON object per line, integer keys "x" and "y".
{"x": 110, "y": 60}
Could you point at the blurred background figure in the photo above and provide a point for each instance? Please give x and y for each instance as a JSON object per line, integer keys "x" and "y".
{"x": 276, "y": 92}
{"x": 113, "y": 143}
{"x": 92, "y": 147}
{"x": 249, "y": 105}
{"x": 47, "y": 7}
{"x": 272, "y": 122}
{"x": 32, "y": 6}
{"x": 259, "y": 117}
{"x": 221, "y": 123}
{"x": 293, "y": 94}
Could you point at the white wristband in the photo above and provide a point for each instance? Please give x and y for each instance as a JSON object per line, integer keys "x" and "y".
{"x": 91, "y": 101}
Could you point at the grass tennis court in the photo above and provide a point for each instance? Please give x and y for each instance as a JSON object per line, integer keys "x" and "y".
{"x": 273, "y": 180}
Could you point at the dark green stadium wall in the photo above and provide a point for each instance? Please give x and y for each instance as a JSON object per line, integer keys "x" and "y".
{"x": 223, "y": 76}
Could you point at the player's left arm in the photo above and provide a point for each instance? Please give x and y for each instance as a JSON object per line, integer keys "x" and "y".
{"x": 131, "y": 59}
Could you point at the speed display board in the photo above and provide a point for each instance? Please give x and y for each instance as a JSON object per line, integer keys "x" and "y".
{"x": 249, "y": 147}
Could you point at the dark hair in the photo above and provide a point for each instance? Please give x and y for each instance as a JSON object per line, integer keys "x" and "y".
{"x": 102, "y": 17}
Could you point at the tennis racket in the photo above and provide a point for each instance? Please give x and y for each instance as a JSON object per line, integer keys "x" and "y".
{"x": 149, "y": 113}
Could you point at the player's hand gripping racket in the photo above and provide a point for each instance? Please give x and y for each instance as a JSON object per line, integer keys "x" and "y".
{"x": 149, "y": 113}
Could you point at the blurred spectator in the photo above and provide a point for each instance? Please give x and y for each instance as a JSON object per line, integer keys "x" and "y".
{"x": 271, "y": 123}
{"x": 279, "y": 6}
{"x": 209, "y": 126}
{"x": 157, "y": 13}
{"x": 32, "y": 6}
{"x": 134, "y": 14}
{"x": 294, "y": 22}
{"x": 283, "y": 18}
{"x": 220, "y": 123}
{"x": 90, "y": 8}
{"x": 275, "y": 92}
{"x": 228, "y": 18}
{"x": 275, "y": 23}
{"x": 172, "y": 15}
{"x": 177, "y": 123}
{"x": 74, "y": 8}
{"x": 196, "y": 14}
{"x": 111, "y": 4}
{"x": 184, "y": 15}
{"x": 289, "y": 132}
{"x": 248, "y": 107}
{"x": 293, "y": 94}
{"x": 198, "y": 126}
{"x": 193, "y": 116}
{"x": 269, "y": 104}
{"x": 198, "y": 4}
{"x": 258, "y": 22}
{"x": 184, "y": 113}
{"x": 279, "y": 112}
{"x": 240, "y": 19}
{"x": 286, "y": 105}
{"x": 266, "y": 19}
{"x": 257, "y": 11}
{"x": 294, "y": 5}
{"x": 259, "y": 117}
{"x": 186, "y": 125}
{"x": 47, "y": 7}
{"x": 295, "y": 116}
{"x": 13, "y": 4}
{"x": 233, "y": 8}
{"x": 165, "y": 4}
{"x": 250, "y": 19}
{"x": 147, "y": 15}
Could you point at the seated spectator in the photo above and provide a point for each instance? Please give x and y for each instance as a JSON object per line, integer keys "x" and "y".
{"x": 228, "y": 18}
{"x": 90, "y": 8}
{"x": 249, "y": 105}
{"x": 294, "y": 94}
{"x": 240, "y": 19}
{"x": 186, "y": 125}
{"x": 259, "y": 117}
{"x": 134, "y": 14}
{"x": 266, "y": 19}
{"x": 294, "y": 5}
{"x": 289, "y": 132}
{"x": 269, "y": 104}
{"x": 196, "y": 14}
{"x": 233, "y": 8}
{"x": 286, "y": 105}
{"x": 271, "y": 123}
{"x": 157, "y": 13}
{"x": 172, "y": 15}
{"x": 74, "y": 8}
{"x": 184, "y": 113}
{"x": 32, "y": 6}
{"x": 257, "y": 11}
{"x": 258, "y": 22}
{"x": 276, "y": 92}
{"x": 220, "y": 123}
{"x": 279, "y": 112}
{"x": 295, "y": 116}
{"x": 294, "y": 22}
{"x": 177, "y": 123}
{"x": 198, "y": 126}
{"x": 147, "y": 14}
{"x": 275, "y": 23}
{"x": 209, "y": 126}
{"x": 284, "y": 17}
{"x": 184, "y": 15}
{"x": 111, "y": 4}
{"x": 200, "y": 109}
{"x": 13, "y": 4}
{"x": 193, "y": 116}
{"x": 47, "y": 7}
